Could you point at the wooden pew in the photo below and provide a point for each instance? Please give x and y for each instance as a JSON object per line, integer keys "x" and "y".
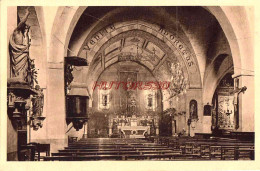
{"x": 112, "y": 152}
{"x": 167, "y": 148}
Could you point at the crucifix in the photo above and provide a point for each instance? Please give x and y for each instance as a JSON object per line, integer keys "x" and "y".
{"x": 236, "y": 93}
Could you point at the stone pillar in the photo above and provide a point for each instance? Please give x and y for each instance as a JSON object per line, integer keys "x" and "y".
{"x": 195, "y": 94}
{"x": 11, "y": 131}
{"x": 56, "y": 114}
{"x": 246, "y": 103}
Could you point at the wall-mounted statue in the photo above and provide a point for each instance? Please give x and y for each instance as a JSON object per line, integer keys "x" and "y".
{"x": 38, "y": 102}
{"x": 22, "y": 67}
{"x": 37, "y": 108}
{"x": 193, "y": 110}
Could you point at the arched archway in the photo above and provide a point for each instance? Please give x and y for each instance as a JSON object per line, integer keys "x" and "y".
{"x": 67, "y": 18}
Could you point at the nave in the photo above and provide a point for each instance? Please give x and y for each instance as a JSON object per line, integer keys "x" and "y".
{"x": 156, "y": 148}
{"x": 130, "y": 83}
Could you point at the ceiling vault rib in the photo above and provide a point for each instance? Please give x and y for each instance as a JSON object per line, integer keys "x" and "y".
{"x": 160, "y": 63}
{"x": 103, "y": 60}
{"x": 145, "y": 44}
{"x": 122, "y": 43}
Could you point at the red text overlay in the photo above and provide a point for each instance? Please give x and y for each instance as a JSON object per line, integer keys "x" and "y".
{"x": 141, "y": 85}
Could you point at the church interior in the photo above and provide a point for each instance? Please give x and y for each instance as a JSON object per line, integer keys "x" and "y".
{"x": 130, "y": 83}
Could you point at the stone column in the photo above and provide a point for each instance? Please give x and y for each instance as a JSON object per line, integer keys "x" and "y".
{"x": 56, "y": 113}
{"x": 246, "y": 103}
{"x": 11, "y": 131}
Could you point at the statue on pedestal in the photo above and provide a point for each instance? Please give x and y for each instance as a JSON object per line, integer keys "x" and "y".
{"x": 19, "y": 50}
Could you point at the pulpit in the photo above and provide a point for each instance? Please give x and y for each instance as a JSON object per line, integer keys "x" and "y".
{"x": 77, "y": 110}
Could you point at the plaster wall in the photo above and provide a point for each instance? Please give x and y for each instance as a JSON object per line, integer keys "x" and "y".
{"x": 11, "y": 132}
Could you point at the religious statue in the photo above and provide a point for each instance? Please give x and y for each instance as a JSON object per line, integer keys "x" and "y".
{"x": 36, "y": 124}
{"x": 37, "y": 108}
{"x": 38, "y": 102}
{"x": 236, "y": 93}
{"x": 131, "y": 106}
{"x": 19, "y": 50}
{"x": 193, "y": 110}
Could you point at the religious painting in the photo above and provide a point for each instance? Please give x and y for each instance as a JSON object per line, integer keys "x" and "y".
{"x": 207, "y": 110}
{"x": 225, "y": 112}
{"x": 128, "y": 97}
{"x": 104, "y": 99}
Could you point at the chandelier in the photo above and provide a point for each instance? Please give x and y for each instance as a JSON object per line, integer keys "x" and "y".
{"x": 178, "y": 81}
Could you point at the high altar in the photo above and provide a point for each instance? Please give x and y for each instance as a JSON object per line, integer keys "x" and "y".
{"x": 133, "y": 127}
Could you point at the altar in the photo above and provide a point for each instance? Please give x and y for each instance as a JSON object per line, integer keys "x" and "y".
{"x": 133, "y": 127}
{"x": 134, "y": 131}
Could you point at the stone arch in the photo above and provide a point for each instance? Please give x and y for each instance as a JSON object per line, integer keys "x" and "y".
{"x": 232, "y": 26}
{"x": 213, "y": 77}
{"x": 64, "y": 23}
{"x": 242, "y": 56}
{"x": 133, "y": 26}
{"x": 186, "y": 54}
{"x": 67, "y": 17}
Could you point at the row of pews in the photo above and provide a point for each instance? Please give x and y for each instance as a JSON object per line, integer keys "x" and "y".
{"x": 113, "y": 149}
{"x": 214, "y": 148}
{"x": 155, "y": 148}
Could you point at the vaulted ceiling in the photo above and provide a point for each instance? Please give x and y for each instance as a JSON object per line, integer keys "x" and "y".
{"x": 154, "y": 37}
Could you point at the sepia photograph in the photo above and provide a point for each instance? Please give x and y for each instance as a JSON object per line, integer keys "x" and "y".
{"x": 130, "y": 83}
